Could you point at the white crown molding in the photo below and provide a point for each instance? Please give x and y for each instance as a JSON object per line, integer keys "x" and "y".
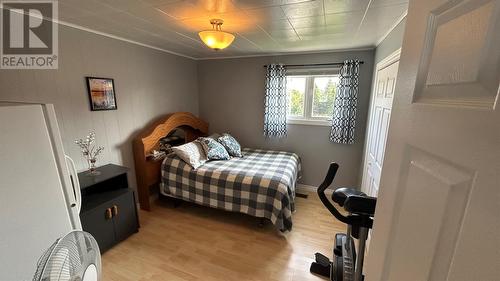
{"x": 390, "y": 59}
{"x": 398, "y": 21}
{"x": 290, "y": 53}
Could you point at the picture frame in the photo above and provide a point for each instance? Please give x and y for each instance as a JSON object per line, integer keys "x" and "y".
{"x": 101, "y": 93}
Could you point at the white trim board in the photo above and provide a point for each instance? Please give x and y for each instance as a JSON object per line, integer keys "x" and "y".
{"x": 304, "y": 188}
{"x": 403, "y": 16}
{"x": 390, "y": 59}
{"x": 301, "y": 188}
{"x": 309, "y": 122}
{"x": 291, "y": 53}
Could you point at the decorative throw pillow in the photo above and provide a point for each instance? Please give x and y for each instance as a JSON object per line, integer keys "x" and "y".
{"x": 213, "y": 149}
{"x": 231, "y": 144}
{"x": 165, "y": 147}
{"x": 192, "y": 153}
{"x": 214, "y": 136}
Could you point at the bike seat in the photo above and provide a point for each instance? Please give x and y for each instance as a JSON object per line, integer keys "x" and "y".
{"x": 340, "y": 195}
{"x": 360, "y": 205}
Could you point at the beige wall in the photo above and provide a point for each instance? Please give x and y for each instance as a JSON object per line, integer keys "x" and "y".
{"x": 232, "y": 100}
{"x": 148, "y": 83}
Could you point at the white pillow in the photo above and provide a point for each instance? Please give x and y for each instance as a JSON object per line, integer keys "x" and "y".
{"x": 192, "y": 153}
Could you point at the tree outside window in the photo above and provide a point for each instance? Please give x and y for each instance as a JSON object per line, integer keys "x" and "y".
{"x": 311, "y": 97}
{"x": 324, "y": 96}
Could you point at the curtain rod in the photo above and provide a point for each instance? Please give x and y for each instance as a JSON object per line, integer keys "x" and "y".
{"x": 315, "y": 64}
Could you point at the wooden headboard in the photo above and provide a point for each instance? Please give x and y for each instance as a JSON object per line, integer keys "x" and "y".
{"x": 148, "y": 171}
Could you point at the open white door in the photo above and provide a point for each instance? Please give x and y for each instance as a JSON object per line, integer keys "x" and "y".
{"x": 378, "y": 123}
{"x": 438, "y": 214}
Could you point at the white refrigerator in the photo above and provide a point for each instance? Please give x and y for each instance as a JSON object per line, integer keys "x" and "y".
{"x": 40, "y": 196}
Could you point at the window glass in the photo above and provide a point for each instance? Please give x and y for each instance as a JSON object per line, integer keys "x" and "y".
{"x": 324, "y": 96}
{"x": 311, "y": 97}
{"x": 296, "y": 91}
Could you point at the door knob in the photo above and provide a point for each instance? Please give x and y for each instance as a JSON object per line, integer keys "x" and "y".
{"x": 115, "y": 210}
{"x": 108, "y": 214}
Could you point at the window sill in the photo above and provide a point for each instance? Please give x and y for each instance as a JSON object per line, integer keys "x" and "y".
{"x": 309, "y": 122}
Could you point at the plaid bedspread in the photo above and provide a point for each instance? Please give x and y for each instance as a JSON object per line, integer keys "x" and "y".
{"x": 260, "y": 184}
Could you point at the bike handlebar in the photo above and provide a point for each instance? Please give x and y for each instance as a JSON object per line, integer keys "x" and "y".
{"x": 332, "y": 171}
{"x": 351, "y": 219}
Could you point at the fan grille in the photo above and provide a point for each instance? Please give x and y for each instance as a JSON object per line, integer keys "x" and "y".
{"x": 68, "y": 258}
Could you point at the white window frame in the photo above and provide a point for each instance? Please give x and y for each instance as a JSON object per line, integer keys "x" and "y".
{"x": 307, "y": 118}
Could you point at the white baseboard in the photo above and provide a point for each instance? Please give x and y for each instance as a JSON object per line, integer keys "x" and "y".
{"x": 304, "y": 188}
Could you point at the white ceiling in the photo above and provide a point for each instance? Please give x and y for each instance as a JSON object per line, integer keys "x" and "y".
{"x": 261, "y": 26}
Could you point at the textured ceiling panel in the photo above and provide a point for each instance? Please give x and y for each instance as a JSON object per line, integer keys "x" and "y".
{"x": 260, "y": 26}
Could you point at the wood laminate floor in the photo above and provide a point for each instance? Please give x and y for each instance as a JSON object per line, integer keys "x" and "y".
{"x": 192, "y": 242}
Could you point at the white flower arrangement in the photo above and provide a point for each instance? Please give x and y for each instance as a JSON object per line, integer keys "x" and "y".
{"x": 89, "y": 150}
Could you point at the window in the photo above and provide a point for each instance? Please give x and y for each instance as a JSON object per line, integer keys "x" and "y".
{"x": 311, "y": 98}
{"x": 296, "y": 92}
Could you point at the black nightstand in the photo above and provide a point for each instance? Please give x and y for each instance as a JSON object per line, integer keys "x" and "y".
{"x": 108, "y": 211}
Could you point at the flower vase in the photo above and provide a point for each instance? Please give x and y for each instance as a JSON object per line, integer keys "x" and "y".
{"x": 90, "y": 152}
{"x": 92, "y": 167}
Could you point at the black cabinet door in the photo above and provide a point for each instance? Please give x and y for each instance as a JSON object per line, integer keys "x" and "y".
{"x": 125, "y": 216}
{"x": 97, "y": 223}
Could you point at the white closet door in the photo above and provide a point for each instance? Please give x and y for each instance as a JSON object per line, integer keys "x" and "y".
{"x": 378, "y": 123}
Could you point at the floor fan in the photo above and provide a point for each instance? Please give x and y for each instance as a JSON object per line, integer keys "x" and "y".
{"x": 73, "y": 257}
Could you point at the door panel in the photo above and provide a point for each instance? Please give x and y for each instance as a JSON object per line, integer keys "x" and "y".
{"x": 96, "y": 223}
{"x": 377, "y": 124}
{"x": 125, "y": 219}
{"x": 391, "y": 82}
{"x": 437, "y": 213}
{"x": 444, "y": 187}
{"x": 375, "y": 187}
{"x": 32, "y": 200}
{"x": 380, "y": 87}
{"x": 459, "y": 61}
{"x": 369, "y": 180}
{"x": 382, "y": 136}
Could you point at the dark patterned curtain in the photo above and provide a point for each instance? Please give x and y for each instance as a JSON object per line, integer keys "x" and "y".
{"x": 275, "y": 102}
{"x": 346, "y": 101}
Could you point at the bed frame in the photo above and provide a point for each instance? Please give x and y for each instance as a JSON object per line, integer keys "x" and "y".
{"x": 148, "y": 171}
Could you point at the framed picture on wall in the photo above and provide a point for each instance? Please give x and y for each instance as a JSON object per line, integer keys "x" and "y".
{"x": 101, "y": 93}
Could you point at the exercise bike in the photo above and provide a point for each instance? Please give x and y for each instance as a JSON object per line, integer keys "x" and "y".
{"x": 360, "y": 207}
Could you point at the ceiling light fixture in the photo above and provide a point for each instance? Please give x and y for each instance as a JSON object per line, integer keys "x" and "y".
{"x": 216, "y": 38}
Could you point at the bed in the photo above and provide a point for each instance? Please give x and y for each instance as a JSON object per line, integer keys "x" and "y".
{"x": 260, "y": 184}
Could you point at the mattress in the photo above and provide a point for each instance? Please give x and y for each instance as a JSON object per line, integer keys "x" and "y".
{"x": 260, "y": 184}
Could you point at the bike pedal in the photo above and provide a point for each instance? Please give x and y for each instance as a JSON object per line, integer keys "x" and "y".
{"x": 320, "y": 270}
{"x": 322, "y": 259}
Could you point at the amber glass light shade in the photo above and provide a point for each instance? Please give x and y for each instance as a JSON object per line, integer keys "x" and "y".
{"x": 216, "y": 38}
